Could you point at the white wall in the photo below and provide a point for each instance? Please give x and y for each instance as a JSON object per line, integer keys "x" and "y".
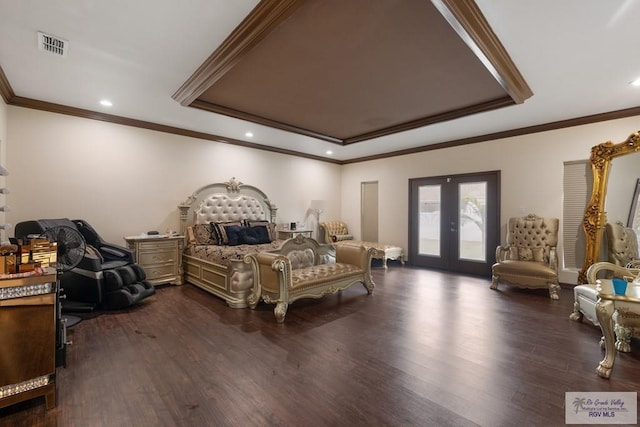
{"x": 531, "y": 175}
{"x": 3, "y": 144}
{"x": 3, "y": 125}
{"x": 124, "y": 180}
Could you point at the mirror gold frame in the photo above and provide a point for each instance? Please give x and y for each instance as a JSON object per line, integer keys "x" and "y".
{"x": 595, "y": 218}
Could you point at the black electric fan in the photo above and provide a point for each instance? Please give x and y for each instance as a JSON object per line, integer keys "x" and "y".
{"x": 71, "y": 248}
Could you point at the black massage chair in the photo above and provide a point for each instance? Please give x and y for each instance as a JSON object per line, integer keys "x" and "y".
{"x": 107, "y": 277}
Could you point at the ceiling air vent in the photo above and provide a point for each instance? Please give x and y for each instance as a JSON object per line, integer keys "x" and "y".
{"x": 52, "y": 44}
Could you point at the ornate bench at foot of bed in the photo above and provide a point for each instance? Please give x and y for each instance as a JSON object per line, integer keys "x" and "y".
{"x": 214, "y": 264}
{"x": 302, "y": 268}
{"x": 380, "y": 251}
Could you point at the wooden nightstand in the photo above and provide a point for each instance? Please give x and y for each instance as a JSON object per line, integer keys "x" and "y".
{"x": 160, "y": 257}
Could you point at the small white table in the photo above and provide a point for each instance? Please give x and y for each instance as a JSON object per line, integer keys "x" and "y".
{"x": 290, "y": 234}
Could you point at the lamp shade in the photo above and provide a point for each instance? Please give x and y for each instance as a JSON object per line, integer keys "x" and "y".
{"x": 317, "y": 205}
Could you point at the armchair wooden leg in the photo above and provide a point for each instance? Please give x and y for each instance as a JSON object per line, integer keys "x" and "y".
{"x": 623, "y": 338}
{"x": 280, "y": 311}
{"x": 554, "y": 290}
{"x": 604, "y": 312}
{"x": 494, "y": 282}
{"x": 577, "y": 314}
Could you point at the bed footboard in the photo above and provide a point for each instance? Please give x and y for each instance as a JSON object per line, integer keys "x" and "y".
{"x": 233, "y": 283}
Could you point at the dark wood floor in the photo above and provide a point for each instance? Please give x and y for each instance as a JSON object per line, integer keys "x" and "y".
{"x": 426, "y": 349}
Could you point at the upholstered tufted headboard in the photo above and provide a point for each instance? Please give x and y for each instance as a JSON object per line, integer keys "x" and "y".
{"x": 221, "y": 207}
{"x": 226, "y": 201}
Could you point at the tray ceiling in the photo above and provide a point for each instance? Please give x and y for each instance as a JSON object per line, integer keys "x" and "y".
{"x": 578, "y": 64}
{"x": 345, "y": 73}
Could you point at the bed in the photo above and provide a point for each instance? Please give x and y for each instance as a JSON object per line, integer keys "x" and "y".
{"x": 221, "y": 222}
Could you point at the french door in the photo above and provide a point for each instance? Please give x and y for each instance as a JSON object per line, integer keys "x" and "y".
{"x": 454, "y": 222}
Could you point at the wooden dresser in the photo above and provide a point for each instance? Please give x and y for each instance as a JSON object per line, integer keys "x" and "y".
{"x": 160, "y": 257}
{"x": 28, "y": 337}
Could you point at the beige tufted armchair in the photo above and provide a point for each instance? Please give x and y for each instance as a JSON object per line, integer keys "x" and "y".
{"x": 529, "y": 259}
{"x": 622, "y": 245}
{"x": 335, "y": 231}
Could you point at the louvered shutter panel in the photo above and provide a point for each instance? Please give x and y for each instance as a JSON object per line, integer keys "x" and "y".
{"x": 577, "y": 186}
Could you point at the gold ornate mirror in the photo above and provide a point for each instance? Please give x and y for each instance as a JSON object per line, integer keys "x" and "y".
{"x": 595, "y": 217}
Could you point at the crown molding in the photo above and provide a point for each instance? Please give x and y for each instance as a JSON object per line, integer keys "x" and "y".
{"x": 5, "y": 88}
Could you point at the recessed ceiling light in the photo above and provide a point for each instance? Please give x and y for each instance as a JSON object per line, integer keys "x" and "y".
{"x": 635, "y": 82}
{"x": 106, "y": 103}
{"x": 249, "y": 134}
{"x": 329, "y": 152}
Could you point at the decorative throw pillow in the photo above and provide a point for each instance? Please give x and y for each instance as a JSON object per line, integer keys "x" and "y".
{"x": 233, "y": 234}
{"x": 203, "y": 234}
{"x": 524, "y": 253}
{"x": 191, "y": 238}
{"x": 262, "y": 233}
{"x": 221, "y": 233}
{"x": 248, "y": 236}
{"x": 237, "y": 235}
{"x": 538, "y": 254}
{"x": 340, "y": 237}
{"x": 271, "y": 227}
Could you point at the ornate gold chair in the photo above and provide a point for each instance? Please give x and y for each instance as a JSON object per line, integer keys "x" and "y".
{"x": 529, "y": 258}
{"x": 627, "y": 316}
{"x": 337, "y": 233}
{"x": 622, "y": 250}
{"x": 622, "y": 245}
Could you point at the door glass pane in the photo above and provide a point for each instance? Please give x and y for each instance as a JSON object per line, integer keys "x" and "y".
{"x": 429, "y": 229}
{"x": 472, "y": 220}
